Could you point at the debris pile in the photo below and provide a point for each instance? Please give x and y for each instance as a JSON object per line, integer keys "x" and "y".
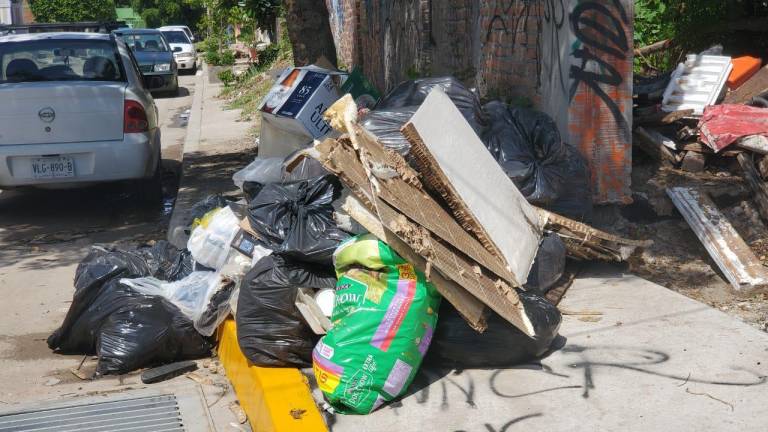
{"x": 710, "y": 114}
{"x": 397, "y": 236}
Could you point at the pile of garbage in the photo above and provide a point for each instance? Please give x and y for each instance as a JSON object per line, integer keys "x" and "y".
{"x": 710, "y": 112}
{"x": 401, "y": 236}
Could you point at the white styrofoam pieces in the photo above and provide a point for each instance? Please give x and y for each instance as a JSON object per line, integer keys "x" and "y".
{"x": 696, "y": 83}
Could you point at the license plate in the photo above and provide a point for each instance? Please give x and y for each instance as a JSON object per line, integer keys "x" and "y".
{"x": 53, "y": 167}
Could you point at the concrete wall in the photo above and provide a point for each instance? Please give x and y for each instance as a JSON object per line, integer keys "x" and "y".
{"x": 569, "y": 58}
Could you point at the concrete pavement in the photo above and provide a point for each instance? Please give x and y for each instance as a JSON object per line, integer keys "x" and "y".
{"x": 648, "y": 359}
{"x": 43, "y": 236}
{"x": 217, "y": 145}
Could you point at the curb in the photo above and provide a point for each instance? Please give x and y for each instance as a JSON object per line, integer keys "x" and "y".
{"x": 274, "y": 399}
{"x": 176, "y": 226}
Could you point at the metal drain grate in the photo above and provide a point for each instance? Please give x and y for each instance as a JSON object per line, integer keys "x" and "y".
{"x": 150, "y": 414}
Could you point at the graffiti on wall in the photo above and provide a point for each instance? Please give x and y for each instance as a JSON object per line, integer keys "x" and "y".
{"x": 510, "y": 52}
{"x": 600, "y": 93}
{"x": 587, "y": 22}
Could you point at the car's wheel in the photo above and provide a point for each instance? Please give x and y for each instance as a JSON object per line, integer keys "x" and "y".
{"x": 194, "y": 69}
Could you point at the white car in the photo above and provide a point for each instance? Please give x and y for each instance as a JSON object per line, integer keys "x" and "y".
{"x": 184, "y": 52}
{"x": 74, "y": 111}
{"x": 183, "y": 28}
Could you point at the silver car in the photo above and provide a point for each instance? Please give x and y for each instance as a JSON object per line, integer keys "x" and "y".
{"x": 74, "y": 110}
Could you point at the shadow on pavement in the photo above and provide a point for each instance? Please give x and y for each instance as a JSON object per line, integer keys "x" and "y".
{"x": 53, "y": 228}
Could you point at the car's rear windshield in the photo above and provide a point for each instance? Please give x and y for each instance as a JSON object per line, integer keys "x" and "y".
{"x": 177, "y": 37}
{"x": 145, "y": 42}
{"x": 60, "y": 60}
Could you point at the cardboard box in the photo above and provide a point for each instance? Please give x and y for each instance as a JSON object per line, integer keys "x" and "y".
{"x": 292, "y": 112}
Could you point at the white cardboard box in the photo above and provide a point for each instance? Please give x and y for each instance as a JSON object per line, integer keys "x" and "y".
{"x": 292, "y": 111}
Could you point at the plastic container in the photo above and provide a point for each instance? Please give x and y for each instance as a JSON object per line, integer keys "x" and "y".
{"x": 743, "y": 69}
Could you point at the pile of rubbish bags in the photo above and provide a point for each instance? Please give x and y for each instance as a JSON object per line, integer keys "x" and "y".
{"x": 308, "y": 288}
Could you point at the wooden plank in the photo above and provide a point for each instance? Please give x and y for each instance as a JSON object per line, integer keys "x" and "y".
{"x": 406, "y": 196}
{"x": 754, "y": 86}
{"x": 456, "y": 164}
{"x": 758, "y": 187}
{"x": 469, "y": 307}
{"x": 653, "y": 48}
{"x": 452, "y": 263}
{"x": 693, "y": 162}
{"x": 729, "y": 251}
{"x": 662, "y": 118}
{"x": 652, "y": 146}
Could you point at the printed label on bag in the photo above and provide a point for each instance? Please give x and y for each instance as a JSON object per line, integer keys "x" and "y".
{"x": 328, "y": 373}
{"x": 397, "y": 378}
{"x": 358, "y": 388}
{"x": 396, "y": 312}
{"x": 324, "y": 350}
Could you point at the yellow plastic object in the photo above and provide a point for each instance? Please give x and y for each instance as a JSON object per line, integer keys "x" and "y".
{"x": 275, "y": 399}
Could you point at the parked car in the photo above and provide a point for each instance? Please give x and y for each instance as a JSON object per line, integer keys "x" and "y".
{"x": 74, "y": 110}
{"x": 156, "y": 62}
{"x": 183, "y": 49}
{"x": 183, "y": 28}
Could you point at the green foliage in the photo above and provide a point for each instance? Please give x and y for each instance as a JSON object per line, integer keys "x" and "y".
{"x": 650, "y": 23}
{"x": 169, "y": 12}
{"x": 227, "y": 77}
{"x": 692, "y": 24}
{"x": 47, "y": 11}
{"x": 212, "y": 57}
{"x": 152, "y": 17}
{"x": 226, "y": 58}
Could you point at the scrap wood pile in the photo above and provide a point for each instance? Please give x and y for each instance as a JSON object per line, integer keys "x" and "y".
{"x": 362, "y": 255}
{"x": 711, "y": 111}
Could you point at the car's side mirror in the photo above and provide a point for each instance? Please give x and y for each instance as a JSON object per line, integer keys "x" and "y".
{"x": 177, "y": 49}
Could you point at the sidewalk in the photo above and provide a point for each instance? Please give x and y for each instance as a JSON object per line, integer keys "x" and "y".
{"x": 649, "y": 359}
{"x": 217, "y": 146}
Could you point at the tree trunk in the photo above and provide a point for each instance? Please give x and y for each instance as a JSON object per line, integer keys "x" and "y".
{"x": 310, "y": 31}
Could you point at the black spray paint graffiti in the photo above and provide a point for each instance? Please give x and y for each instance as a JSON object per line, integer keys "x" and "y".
{"x": 500, "y": 23}
{"x": 610, "y": 40}
{"x": 554, "y": 17}
{"x": 505, "y": 427}
{"x": 460, "y": 389}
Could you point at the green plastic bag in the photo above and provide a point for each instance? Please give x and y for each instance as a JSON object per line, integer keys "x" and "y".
{"x": 383, "y": 320}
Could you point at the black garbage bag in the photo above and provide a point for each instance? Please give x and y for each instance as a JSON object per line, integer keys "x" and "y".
{"x": 386, "y": 125}
{"x": 547, "y": 171}
{"x": 200, "y": 208}
{"x": 395, "y": 109}
{"x": 412, "y": 94}
{"x": 549, "y": 265}
{"x": 456, "y": 345}
{"x": 270, "y": 329}
{"x": 125, "y": 329}
{"x": 296, "y": 218}
{"x": 167, "y": 262}
{"x": 137, "y": 331}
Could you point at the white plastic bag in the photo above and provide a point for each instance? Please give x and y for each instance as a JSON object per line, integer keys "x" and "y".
{"x": 192, "y": 295}
{"x": 210, "y": 244}
{"x": 261, "y": 170}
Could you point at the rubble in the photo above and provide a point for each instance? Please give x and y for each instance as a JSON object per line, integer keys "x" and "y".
{"x": 735, "y": 259}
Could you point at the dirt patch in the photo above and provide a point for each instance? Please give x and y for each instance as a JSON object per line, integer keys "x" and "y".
{"x": 26, "y": 347}
{"x": 677, "y": 260}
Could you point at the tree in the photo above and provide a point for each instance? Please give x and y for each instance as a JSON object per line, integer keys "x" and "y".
{"x": 46, "y": 11}
{"x": 157, "y": 13}
{"x": 309, "y": 29}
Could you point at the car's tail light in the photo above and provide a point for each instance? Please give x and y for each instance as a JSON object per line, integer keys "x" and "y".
{"x": 134, "y": 118}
